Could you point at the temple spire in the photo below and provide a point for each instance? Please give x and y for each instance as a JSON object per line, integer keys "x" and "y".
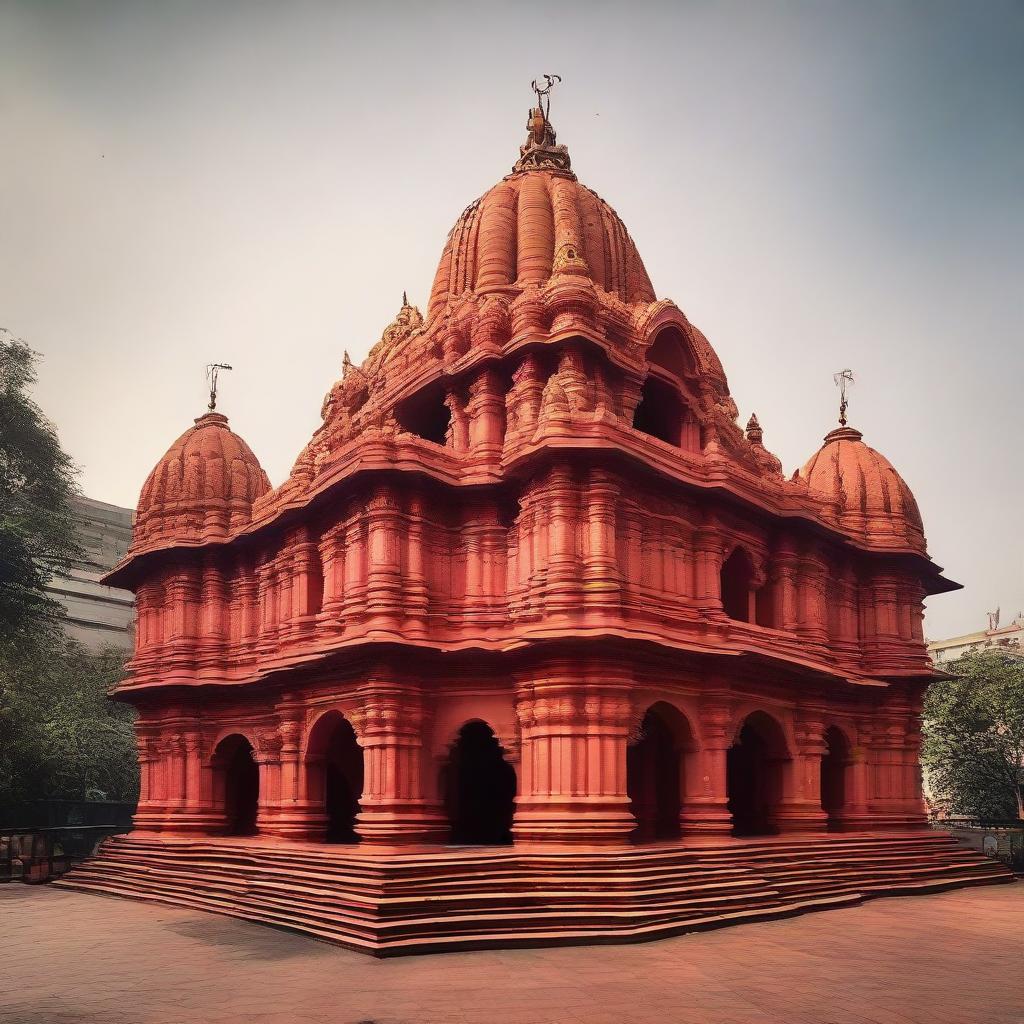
{"x": 212, "y": 373}
{"x": 843, "y": 379}
{"x": 541, "y": 149}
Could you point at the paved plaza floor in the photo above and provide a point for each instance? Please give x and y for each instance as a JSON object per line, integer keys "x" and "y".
{"x": 954, "y": 958}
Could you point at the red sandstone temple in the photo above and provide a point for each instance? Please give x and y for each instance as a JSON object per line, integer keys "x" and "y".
{"x": 535, "y": 644}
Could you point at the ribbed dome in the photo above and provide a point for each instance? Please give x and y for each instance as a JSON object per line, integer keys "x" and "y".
{"x": 537, "y": 224}
{"x": 202, "y": 488}
{"x": 870, "y": 498}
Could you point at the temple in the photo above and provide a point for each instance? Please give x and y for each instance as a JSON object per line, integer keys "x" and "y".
{"x": 535, "y": 644}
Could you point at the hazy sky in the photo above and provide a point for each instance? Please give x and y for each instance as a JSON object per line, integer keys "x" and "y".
{"x": 818, "y": 185}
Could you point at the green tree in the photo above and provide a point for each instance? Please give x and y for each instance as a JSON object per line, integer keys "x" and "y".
{"x": 61, "y": 737}
{"x": 37, "y": 522}
{"x": 974, "y": 735}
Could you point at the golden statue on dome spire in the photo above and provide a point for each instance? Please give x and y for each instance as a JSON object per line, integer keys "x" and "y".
{"x": 541, "y": 150}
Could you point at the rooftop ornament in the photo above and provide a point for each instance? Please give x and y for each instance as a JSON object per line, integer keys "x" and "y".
{"x": 541, "y": 151}
{"x": 212, "y": 373}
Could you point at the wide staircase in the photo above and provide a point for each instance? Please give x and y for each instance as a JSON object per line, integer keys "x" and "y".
{"x": 431, "y": 900}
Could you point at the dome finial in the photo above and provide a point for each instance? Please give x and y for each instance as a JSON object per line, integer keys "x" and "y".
{"x": 212, "y": 372}
{"x": 540, "y": 149}
{"x": 843, "y": 379}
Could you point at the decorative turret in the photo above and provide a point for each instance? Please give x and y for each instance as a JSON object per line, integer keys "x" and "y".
{"x": 866, "y": 494}
{"x": 201, "y": 490}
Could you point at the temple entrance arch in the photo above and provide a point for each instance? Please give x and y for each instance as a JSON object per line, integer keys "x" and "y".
{"x": 754, "y": 766}
{"x": 655, "y": 772}
{"x": 833, "y": 775}
{"x": 479, "y": 788}
{"x": 334, "y": 775}
{"x": 236, "y": 782}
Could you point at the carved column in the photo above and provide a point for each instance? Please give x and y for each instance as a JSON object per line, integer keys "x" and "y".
{"x": 708, "y": 552}
{"x": 332, "y": 560}
{"x": 149, "y": 813}
{"x": 416, "y": 598}
{"x": 486, "y": 410}
{"x": 601, "y": 577}
{"x": 564, "y": 586}
{"x": 800, "y": 809}
{"x": 308, "y": 584}
{"x": 394, "y": 808}
{"x": 705, "y": 810}
{"x": 574, "y": 722}
{"x": 292, "y": 815}
{"x": 384, "y": 570}
{"x": 267, "y": 756}
{"x": 784, "y": 573}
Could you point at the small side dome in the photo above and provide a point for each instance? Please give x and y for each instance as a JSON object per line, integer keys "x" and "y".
{"x": 869, "y": 498}
{"x": 202, "y": 489}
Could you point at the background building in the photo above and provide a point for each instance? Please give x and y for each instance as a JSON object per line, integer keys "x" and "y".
{"x": 1009, "y": 637}
{"x": 98, "y": 616}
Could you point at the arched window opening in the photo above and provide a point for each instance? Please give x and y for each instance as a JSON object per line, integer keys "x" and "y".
{"x": 738, "y": 601}
{"x": 654, "y": 773}
{"x": 426, "y": 415}
{"x": 833, "y": 775}
{"x": 236, "y": 785}
{"x": 661, "y": 412}
{"x": 479, "y": 788}
{"x": 754, "y": 775}
{"x": 334, "y": 772}
{"x": 671, "y": 352}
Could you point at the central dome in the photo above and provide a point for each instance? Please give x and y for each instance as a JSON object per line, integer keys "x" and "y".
{"x": 537, "y": 224}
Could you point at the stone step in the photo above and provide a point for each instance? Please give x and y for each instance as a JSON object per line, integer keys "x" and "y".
{"x": 390, "y": 903}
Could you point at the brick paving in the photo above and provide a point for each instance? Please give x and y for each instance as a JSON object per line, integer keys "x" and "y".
{"x": 955, "y": 958}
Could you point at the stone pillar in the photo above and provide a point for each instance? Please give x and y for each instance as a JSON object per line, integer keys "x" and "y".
{"x": 784, "y": 570}
{"x": 486, "y": 411}
{"x": 390, "y": 725}
{"x": 294, "y": 815}
{"x": 895, "y": 798}
{"x": 707, "y": 542}
{"x": 705, "y": 804}
{"x": 800, "y": 809}
{"x": 267, "y": 755}
{"x": 601, "y": 577}
{"x": 416, "y": 596}
{"x": 149, "y": 814}
{"x": 384, "y": 571}
{"x": 564, "y": 586}
{"x": 574, "y": 724}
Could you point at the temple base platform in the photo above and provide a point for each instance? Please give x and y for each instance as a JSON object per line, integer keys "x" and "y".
{"x": 431, "y": 899}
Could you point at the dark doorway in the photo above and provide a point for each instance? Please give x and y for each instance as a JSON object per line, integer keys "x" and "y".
{"x": 652, "y": 780}
{"x": 754, "y": 776}
{"x": 660, "y": 412}
{"x": 334, "y": 766}
{"x": 833, "y": 775}
{"x": 479, "y": 788}
{"x": 241, "y": 785}
{"x": 737, "y": 586}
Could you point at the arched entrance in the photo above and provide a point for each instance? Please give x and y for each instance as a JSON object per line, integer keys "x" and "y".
{"x": 833, "y": 775}
{"x": 479, "y": 788}
{"x": 754, "y": 775}
{"x": 334, "y": 775}
{"x": 236, "y": 785}
{"x": 654, "y": 773}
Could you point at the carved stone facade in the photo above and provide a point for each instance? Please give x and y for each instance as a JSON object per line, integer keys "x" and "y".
{"x": 529, "y": 583}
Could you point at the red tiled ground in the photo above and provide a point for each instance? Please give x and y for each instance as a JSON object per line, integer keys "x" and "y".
{"x": 956, "y": 958}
